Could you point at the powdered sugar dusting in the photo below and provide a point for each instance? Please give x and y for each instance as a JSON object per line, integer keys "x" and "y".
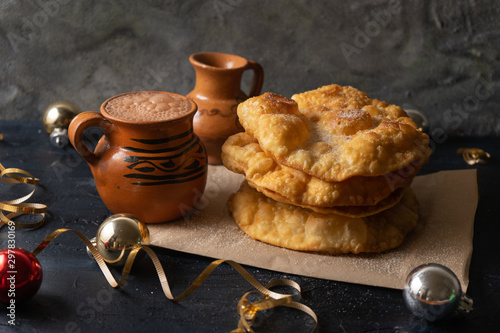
{"x": 444, "y": 235}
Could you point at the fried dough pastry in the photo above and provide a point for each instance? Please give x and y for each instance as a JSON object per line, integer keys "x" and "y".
{"x": 241, "y": 153}
{"x": 299, "y": 229}
{"x": 334, "y": 133}
{"x": 349, "y": 211}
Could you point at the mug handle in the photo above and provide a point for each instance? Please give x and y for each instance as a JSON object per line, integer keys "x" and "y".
{"x": 258, "y": 77}
{"x": 77, "y": 127}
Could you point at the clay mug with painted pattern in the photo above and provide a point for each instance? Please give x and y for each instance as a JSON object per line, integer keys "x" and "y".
{"x": 149, "y": 162}
{"x": 217, "y": 92}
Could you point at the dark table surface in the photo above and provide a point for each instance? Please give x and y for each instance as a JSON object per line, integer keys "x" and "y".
{"x": 75, "y": 296}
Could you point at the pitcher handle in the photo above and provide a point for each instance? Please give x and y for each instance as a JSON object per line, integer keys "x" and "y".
{"x": 78, "y": 126}
{"x": 258, "y": 78}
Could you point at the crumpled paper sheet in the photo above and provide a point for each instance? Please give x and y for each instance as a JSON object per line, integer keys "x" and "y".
{"x": 448, "y": 201}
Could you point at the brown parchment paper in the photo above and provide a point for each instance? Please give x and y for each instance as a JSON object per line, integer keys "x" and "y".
{"x": 448, "y": 201}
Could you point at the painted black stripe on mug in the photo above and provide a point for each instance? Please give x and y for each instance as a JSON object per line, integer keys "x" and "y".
{"x": 163, "y": 166}
{"x": 163, "y": 140}
{"x": 165, "y": 177}
{"x": 159, "y": 151}
{"x": 146, "y": 158}
{"x": 173, "y": 181}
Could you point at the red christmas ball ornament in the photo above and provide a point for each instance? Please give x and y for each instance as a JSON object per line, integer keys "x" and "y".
{"x": 20, "y": 275}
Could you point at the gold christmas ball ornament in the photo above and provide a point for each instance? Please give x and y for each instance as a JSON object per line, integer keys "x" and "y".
{"x": 120, "y": 233}
{"x": 56, "y": 119}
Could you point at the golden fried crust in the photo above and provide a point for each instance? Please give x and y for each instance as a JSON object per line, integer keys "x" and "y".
{"x": 285, "y": 130}
{"x": 349, "y": 211}
{"x": 299, "y": 229}
{"x": 337, "y": 97}
{"x": 334, "y": 133}
{"x": 241, "y": 153}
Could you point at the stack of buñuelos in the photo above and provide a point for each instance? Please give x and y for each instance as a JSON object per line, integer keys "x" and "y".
{"x": 328, "y": 170}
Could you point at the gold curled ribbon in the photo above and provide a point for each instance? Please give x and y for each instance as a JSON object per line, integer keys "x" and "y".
{"x": 246, "y": 309}
{"x": 473, "y": 155}
{"x": 18, "y": 206}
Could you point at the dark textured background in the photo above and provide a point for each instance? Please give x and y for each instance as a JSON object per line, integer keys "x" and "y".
{"x": 75, "y": 295}
{"x": 441, "y": 57}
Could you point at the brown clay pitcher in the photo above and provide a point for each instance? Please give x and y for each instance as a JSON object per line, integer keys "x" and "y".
{"x": 148, "y": 163}
{"x": 217, "y": 93}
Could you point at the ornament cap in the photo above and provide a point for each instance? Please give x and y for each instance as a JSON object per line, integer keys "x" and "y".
{"x": 59, "y": 137}
{"x": 466, "y": 303}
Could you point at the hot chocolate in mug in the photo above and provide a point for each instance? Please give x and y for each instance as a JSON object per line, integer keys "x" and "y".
{"x": 149, "y": 162}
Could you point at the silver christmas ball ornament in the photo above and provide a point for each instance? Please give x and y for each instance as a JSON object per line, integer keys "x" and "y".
{"x": 433, "y": 292}
{"x": 56, "y": 120}
{"x": 418, "y": 118}
{"x": 120, "y": 233}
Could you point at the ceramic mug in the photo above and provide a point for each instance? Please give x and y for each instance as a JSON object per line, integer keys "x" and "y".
{"x": 154, "y": 167}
